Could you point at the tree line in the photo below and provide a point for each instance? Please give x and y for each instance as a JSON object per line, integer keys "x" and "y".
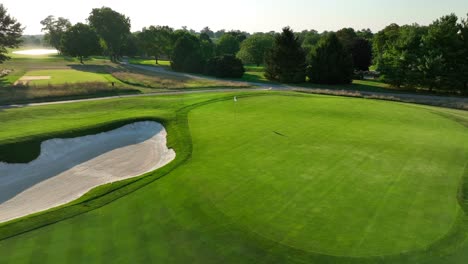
{"x": 410, "y": 56}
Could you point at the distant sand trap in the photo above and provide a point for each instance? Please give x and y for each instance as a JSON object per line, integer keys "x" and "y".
{"x": 26, "y": 79}
{"x": 68, "y": 168}
{"x": 36, "y": 52}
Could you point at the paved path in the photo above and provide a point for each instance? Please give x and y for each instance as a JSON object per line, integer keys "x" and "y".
{"x": 443, "y": 101}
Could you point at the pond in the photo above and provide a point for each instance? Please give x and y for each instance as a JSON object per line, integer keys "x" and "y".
{"x": 36, "y": 52}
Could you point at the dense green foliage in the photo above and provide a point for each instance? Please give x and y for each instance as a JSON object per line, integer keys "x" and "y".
{"x": 156, "y": 41}
{"x": 330, "y": 63}
{"x": 80, "y": 41}
{"x": 254, "y": 48}
{"x": 187, "y": 55}
{"x": 54, "y": 29}
{"x": 285, "y": 62}
{"x": 359, "y": 48}
{"x": 227, "y": 66}
{"x": 11, "y": 31}
{"x": 227, "y": 45}
{"x": 112, "y": 27}
{"x": 296, "y": 187}
{"x": 435, "y": 57}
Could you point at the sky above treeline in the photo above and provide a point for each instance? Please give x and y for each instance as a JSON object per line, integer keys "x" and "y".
{"x": 246, "y": 15}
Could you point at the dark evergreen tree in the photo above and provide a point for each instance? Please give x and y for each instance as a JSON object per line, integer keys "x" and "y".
{"x": 187, "y": 55}
{"x": 361, "y": 50}
{"x": 285, "y": 62}
{"x": 330, "y": 63}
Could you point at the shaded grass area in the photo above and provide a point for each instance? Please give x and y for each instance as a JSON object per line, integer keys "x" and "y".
{"x": 217, "y": 208}
{"x": 150, "y": 62}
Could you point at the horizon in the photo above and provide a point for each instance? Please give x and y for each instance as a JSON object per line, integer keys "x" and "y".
{"x": 298, "y": 14}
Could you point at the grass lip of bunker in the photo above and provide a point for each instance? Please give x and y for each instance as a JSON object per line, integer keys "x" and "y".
{"x": 68, "y": 168}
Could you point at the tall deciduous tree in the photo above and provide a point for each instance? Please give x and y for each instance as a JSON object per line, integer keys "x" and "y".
{"x": 227, "y": 45}
{"x": 80, "y": 41}
{"x": 156, "y": 41}
{"x": 112, "y": 27}
{"x": 443, "y": 43}
{"x": 330, "y": 62}
{"x": 10, "y": 36}
{"x": 254, "y": 48}
{"x": 55, "y": 28}
{"x": 285, "y": 62}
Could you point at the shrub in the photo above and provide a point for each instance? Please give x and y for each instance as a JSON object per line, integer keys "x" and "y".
{"x": 227, "y": 66}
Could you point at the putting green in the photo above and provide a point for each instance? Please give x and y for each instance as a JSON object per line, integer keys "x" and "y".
{"x": 331, "y": 175}
{"x": 271, "y": 179}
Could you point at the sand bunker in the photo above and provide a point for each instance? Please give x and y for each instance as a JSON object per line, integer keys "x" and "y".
{"x": 26, "y": 79}
{"x": 68, "y": 168}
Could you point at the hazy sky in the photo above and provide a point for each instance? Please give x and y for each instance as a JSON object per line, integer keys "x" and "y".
{"x": 247, "y": 15}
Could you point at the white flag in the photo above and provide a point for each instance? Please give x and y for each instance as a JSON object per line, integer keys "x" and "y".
{"x": 235, "y": 98}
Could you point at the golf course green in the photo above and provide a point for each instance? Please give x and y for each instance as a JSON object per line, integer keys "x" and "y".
{"x": 276, "y": 177}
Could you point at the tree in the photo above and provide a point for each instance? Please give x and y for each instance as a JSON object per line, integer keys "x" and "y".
{"x": 361, "y": 50}
{"x": 187, "y": 56}
{"x": 227, "y": 44}
{"x": 11, "y": 31}
{"x": 254, "y": 48}
{"x": 156, "y": 41}
{"x": 463, "y": 69}
{"x": 207, "y": 46}
{"x": 443, "y": 44}
{"x": 131, "y": 46}
{"x": 227, "y": 66}
{"x": 219, "y": 33}
{"x": 347, "y": 36}
{"x": 112, "y": 27}
{"x": 330, "y": 63}
{"x": 285, "y": 62}
{"x": 80, "y": 41}
{"x": 309, "y": 40}
{"x": 239, "y": 35}
{"x": 400, "y": 52}
{"x": 55, "y": 28}
{"x": 365, "y": 34}
{"x": 208, "y": 31}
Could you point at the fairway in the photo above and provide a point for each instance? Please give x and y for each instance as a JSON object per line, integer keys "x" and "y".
{"x": 301, "y": 179}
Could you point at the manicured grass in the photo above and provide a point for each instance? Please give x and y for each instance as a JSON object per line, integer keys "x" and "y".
{"x": 152, "y": 62}
{"x": 65, "y": 76}
{"x": 271, "y": 179}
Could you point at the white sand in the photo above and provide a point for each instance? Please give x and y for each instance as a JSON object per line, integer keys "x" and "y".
{"x": 26, "y": 79}
{"x": 69, "y": 168}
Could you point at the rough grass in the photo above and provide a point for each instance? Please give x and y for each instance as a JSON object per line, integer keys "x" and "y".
{"x": 306, "y": 179}
{"x": 169, "y": 81}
